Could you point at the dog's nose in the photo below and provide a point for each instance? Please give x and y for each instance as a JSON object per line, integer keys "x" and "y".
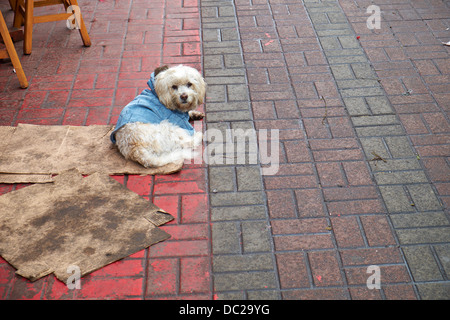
{"x": 183, "y": 96}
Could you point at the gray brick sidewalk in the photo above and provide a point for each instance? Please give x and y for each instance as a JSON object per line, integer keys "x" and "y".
{"x": 354, "y": 187}
{"x": 243, "y": 263}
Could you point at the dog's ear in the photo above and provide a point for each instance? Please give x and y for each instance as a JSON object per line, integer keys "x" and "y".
{"x": 160, "y": 69}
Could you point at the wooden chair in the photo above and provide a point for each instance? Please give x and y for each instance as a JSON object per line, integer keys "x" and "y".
{"x": 24, "y": 15}
{"x": 10, "y": 52}
{"x": 13, "y": 4}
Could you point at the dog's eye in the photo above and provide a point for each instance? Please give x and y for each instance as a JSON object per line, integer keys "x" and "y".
{"x": 189, "y": 84}
{"x": 174, "y": 87}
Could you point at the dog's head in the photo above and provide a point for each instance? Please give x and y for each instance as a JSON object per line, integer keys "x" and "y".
{"x": 180, "y": 88}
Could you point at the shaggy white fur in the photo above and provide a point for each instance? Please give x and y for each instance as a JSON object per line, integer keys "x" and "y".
{"x": 152, "y": 145}
{"x": 180, "y": 87}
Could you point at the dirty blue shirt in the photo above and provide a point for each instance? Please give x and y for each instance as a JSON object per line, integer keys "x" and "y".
{"x": 146, "y": 108}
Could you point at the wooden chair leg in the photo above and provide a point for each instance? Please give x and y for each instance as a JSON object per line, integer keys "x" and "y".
{"x": 12, "y": 4}
{"x": 12, "y": 53}
{"x": 28, "y": 33}
{"x": 83, "y": 31}
{"x": 18, "y": 18}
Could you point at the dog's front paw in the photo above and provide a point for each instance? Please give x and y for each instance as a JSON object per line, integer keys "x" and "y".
{"x": 196, "y": 115}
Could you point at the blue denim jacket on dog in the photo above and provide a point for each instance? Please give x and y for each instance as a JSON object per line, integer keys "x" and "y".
{"x": 147, "y": 108}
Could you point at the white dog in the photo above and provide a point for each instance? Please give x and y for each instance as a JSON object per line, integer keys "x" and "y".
{"x": 154, "y": 128}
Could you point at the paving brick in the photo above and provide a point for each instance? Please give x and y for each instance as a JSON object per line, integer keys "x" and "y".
{"x": 194, "y": 275}
{"x": 400, "y": 292}
{"x": 263, "y": 110}
{"x": 349, "y": 59}
{"x": 122, "y": 268}
{"x": 179, "y": 187}
{"x": 400, "y": 177}
{"x": 424, "y": 197}
{"x": 350, "y": 193}
{"x": 221, "y": 179}
{"x": 374, "y": 146}
{"x": 39, "y": 113}
{"x": 419, "y": 219}
{"x": 394, "y": 165}
{"x": 354, "y": 207}
{"x": 422, "y": 263}
{"x": 380, "y": 131}
{"x": 315, "y": 129}
{"x": 296, "y": 151}
{"x": 423, "y": 235}
{"x": 347, "y": 232}
{"x": 255, "y": 236}
{"x": 396, "y": 199}
{"x": 299, "y": 226}
{"x": 248, "y": 178}
{"x": 371, "y": 256}
{"x": 180, "y": 248}
{"x": 443, "y": 252}
{"x": 345, "y": 84}
{"x": 281, "y": 203}
{"x": 389, "y": 275}
{"x": 110, "y": 288}
{"x": 357, "y": 173}
{"x": 363, "y": 293}
{"x": 325, "y": 144}
{"x": 379, "y": 105}
{"x": 244, "y": 262}
{"x": 342, "y": 71}
{"x": 431, "y": 151}
{"x": 316, "y": 294}
{"x": 374, "y": 120}
{"x": 162, "y": 276}
{"x": 244, "y": 280}
{"x": 399, "y": 147}
{"x": 437, "y": 122}
{"x": 229, "y": 116}
{"x": 6, "y": 272}
{"x": 249, "y": 212}
{"x": 309, "y": 202}
{"x": 437, "y": 168}
{"x": 237, "y": 199}
{"x": 434, "y": 291}
{"x": 303, "y": 242}
{"x": 57, "y": 290}
{"x": 324, "y": 268}
{"x": 225, "y": 238}
{"x": 292, "y": 270}
{"x": 279, "y": 182}
{"x": 330, "y": 174}
{"x": 348, "y": 41}
{"x": 377, "y": 230}
{"x": 340, "y": 127}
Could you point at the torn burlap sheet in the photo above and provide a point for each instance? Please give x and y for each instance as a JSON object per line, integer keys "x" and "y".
{"x": 75, "y": 221}
{"x": 33, "y": 153}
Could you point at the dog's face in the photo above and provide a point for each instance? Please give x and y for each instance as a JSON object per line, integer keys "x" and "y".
{"x": 179, "y": 87}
